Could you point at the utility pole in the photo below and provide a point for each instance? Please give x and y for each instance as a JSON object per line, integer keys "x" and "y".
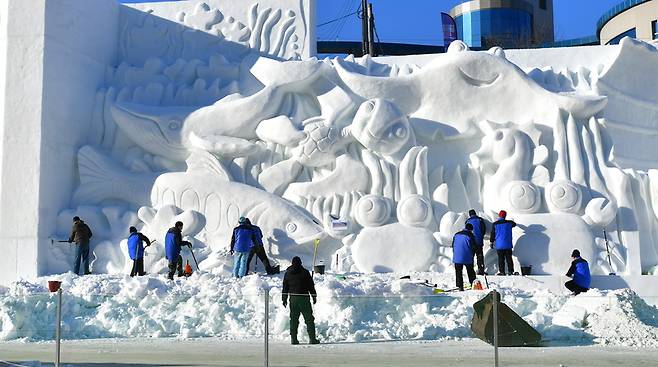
{"x": 364, "y": 27}
{"x": 371, "y": 32}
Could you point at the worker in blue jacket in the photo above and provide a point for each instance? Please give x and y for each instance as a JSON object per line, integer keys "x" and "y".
{"x": 579, "y": 272}
{"x": 136, "y": 251}
{"x": 501, "y": 240}
{"x": 173, "y": 244}
{"x": 479, "y": 229}
{"x": 244, "y": 239}
{"x": 463, "y": 250}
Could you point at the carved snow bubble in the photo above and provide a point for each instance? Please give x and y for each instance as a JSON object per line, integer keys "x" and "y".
{"x": 524, "y": 196}
{"x": 415, "y": 210}
{"x": 372, "y": 211}
{"x": 564, "y": 196}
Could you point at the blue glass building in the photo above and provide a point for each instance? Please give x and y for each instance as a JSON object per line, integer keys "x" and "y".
{"x": 506, "y": 23}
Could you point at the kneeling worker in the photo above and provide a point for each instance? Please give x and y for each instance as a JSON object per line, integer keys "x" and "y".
{"x": 579, "y": 271}
{"x": 298, "y": 284}
{"x": 463, "y": 250}
{"x": 136, "y": 251}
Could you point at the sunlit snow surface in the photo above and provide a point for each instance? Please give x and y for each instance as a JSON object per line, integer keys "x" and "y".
{"x": 350, "y": 308}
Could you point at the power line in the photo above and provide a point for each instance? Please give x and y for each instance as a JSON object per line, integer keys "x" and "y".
{"x": 345, "y": 7}
{"x": 379, "y": 42}
{"x": 337, "y": 19}
{"x": 341, "y": 24}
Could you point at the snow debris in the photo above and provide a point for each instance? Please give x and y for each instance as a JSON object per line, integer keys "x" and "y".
{"x": 350, "y": 308}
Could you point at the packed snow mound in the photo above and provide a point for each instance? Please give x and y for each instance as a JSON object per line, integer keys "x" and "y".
{"x": 350, "y": 308}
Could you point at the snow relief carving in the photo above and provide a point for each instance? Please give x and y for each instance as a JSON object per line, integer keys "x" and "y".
{"x": 397, "y": 154}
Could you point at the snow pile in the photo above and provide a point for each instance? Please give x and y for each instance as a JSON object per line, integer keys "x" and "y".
{"x": 350, "y": 308}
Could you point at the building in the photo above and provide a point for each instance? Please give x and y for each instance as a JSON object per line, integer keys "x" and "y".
{"x": 630, "y": 18}
{"x": 506, "y": 23}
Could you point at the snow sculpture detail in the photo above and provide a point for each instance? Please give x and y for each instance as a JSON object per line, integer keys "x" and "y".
{"x": 212, "y": 131}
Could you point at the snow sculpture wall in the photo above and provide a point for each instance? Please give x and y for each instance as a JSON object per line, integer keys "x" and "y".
{"x": 213, "y": 110}
{"x": 53, "y": 57}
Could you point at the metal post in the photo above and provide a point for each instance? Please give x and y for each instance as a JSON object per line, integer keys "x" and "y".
{"x": 371, "y": 31}
{"x": 267, "y": 327}
{"x": 496, "y": 299}
{"x": 58, "y": 327}
{"x": 364, "y": 27}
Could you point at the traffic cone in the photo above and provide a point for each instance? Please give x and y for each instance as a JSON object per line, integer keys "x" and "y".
{"x": 188, "y": 269}
{"x": 477, "y": 285}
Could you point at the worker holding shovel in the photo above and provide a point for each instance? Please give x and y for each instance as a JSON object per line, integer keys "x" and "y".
{"x": 136, "y": 251}
{"x": 81, "y": 234}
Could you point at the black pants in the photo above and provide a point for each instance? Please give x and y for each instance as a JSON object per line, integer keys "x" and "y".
{"x": 260, "y": 252}
{"x": 138, "y": 267}
{"x": 301, "y": 305}
{"x": 459, "y": 273}
{"x": 505, "y": 256}
{"x": 176, "y": 265}
{"x": 479, "y": 255}
{"x": 572, "y": 286}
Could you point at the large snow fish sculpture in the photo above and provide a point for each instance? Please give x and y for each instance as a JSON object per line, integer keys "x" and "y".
{"x": 222, "y": 127}
{"x": 206, "y": 187}
{"x": 464, "y": 87}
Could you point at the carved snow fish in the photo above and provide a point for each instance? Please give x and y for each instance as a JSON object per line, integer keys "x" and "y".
{"x": 206, "y": 187}
{"x": 225, "y": 126}
{"x": 458, "y": 89}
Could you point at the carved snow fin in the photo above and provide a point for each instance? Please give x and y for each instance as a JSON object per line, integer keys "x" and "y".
{"x": 203, "y": 161}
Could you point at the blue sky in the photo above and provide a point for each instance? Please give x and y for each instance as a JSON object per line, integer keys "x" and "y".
{"x": 418, "y": 21}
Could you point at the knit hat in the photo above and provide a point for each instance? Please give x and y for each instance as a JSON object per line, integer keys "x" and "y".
{"x": 242, "y": 220}
{"x": 575, "y": 253}
{"x": 296, "y": 260}
{"x": 502, "y": 214}
{"x": 472, "y": 212}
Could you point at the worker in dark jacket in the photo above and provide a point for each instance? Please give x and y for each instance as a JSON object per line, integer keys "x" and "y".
{"x": 463, "y": 250}
{"x": 259, "y": 250}
{"x": 243, "y": 240}
{"x": 298, "y": 285}
{"x": 136, "y": 251}
{"x": 81, "y": 234}
{"x": 173, "y": 244}
{"x": 579, "y": 272}
{"x": 501, "y": 240}
{"x": 479, "y": 228}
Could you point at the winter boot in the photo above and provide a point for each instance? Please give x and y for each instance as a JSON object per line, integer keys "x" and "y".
{"x": 311, "y": 335}
{"x": 293, "y": 340}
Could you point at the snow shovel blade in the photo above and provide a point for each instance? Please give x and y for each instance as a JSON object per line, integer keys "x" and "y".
{"x": 439, "y": 290}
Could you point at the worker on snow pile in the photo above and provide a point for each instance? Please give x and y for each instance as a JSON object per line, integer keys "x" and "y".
{"x": 81, "y": 234}
{"x": 259, "y": 250}
{"x": 479, "y": 228}
{"x": 136, "y": 251}
{"x": 579, "y": 272}
{"x": 244, "y": 239}
{"x": 298, "y": 285}
{"x": 501, "y": 240}
{"x": 463, "y": 250}
{"x": 173, "y": 244}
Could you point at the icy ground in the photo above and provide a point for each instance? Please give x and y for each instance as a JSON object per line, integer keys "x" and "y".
{"x": 351, "y": 308}
{"x": 214, "y": 352}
